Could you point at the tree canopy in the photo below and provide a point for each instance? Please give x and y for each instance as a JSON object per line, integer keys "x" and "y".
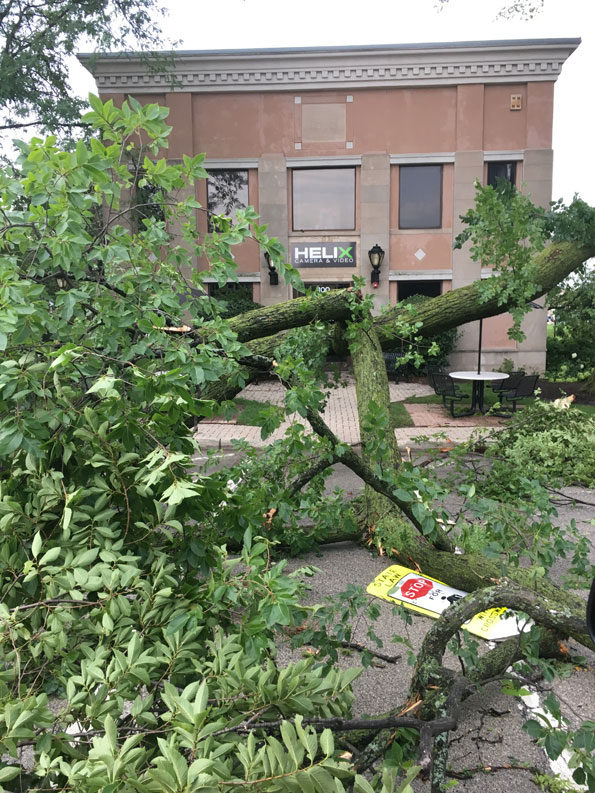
{"x": 141, "y": 597}
{"x": 38, "y": 36}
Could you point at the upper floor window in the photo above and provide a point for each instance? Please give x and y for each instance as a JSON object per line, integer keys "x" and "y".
{"x": 420, "y": 196}
{"x": 323, "y": 198}
{"x": 227, "y": 191}
{"x": 501, "y": 170}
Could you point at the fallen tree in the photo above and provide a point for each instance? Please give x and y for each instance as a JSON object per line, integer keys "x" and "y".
{"x": 261, "y": 329}
{"x": 136, "y": 653}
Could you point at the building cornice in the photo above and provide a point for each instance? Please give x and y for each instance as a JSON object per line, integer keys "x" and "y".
{"x": 453, "y": 63}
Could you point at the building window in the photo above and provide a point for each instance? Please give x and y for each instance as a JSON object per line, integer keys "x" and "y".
{"x": 323, "y": 199}
{"x": 407, "y": 289}
{"x": 501, "y": 170}
{"x": 420, "y": 196}
{"x": 227, "y": 191}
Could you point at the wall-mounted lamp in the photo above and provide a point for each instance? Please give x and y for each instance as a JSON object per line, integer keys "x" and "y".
{"x": 273, "y": 274}
{"x": 376, "y": 256}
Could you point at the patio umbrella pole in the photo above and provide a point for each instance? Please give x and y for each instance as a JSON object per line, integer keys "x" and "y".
{"x": 479, "y": 353}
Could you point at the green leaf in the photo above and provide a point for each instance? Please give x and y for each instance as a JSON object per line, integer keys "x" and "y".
{"x": 555, "y": 743}
{"x": 403, "y": 495}
{"x": 405, "y": 786}
{"x": 361, "y": 785}
{"x": 50, "y": 556}
{"x": 534, "y": 728}
{"x": 327, "y": 743}
{"x": 9, "y": 772}
{"x": 103, "y": 384}
{"x": 177, "y": 624}
{"x": 36, "y": 545}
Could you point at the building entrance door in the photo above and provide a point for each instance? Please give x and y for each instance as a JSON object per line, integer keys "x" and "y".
{"x": 323, "y": 286}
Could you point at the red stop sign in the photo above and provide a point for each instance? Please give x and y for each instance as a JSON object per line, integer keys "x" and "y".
{"x": 416, "y": 588}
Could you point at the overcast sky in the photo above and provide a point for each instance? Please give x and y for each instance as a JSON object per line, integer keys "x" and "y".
{"x": 270, "y": 23}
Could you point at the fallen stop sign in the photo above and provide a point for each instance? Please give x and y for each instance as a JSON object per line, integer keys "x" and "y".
{"x": 416, "y": 588}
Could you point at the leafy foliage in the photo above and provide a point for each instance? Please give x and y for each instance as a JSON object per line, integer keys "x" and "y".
{"x": 235, "y": 301}
{"x": 506, "y": 231}
{"x": 571, "y": 349}
{"x": 548, "y": 443}
{"x": 552, "y": 731}
{"x": 133, "y": 646}
{"x": 436, "y": 349}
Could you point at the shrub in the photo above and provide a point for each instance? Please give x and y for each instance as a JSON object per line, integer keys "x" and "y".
{"x": 547, "y": 442}
{"x": 235, "y": 299}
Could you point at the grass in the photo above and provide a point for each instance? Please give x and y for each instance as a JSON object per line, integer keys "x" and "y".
{"x": 400, "y": 415}
{"x": 248, "y": 412}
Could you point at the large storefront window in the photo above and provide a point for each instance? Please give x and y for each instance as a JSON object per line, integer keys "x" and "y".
{"x": 323, "y": 199}
{"x": 227, "y": 191}
{"x": 420, "y": 196}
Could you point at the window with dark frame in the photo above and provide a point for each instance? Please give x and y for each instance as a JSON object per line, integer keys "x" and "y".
{"x": 213, "y": 289}
{"x": 227, "y": 191}
{"x": 501, "y": 170}
{"x": 323, "y": 199}
{"x": 420, "y": 196}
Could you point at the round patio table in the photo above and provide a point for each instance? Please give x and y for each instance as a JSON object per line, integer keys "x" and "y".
{"x": 477, "y": 392}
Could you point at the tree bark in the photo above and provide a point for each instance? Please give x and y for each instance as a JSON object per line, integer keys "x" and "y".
{"x": 324, "y": 306}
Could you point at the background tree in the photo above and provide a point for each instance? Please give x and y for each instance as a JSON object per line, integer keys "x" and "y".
{"x": 38, "y": 36}
{"x": 571, "y": 344}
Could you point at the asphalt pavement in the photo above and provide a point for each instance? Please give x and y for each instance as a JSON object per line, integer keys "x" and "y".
{"x": 490, "y": 734}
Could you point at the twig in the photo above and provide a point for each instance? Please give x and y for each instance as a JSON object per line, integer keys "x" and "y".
{"x": 391, "y": 659}
{"x": 435, "y": 727}
{"x": 467, "y": 773}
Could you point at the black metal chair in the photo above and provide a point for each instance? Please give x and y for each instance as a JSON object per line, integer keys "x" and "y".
{"x": 445, "y": 387}
{"x": 512, "y": 381}
{"x": 394, "y": 369}
{"x": 525, "y": 388}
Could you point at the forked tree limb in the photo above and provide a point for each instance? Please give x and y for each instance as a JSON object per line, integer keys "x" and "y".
{"x": 262, "y": 329}
{"x": 429, "y": 671}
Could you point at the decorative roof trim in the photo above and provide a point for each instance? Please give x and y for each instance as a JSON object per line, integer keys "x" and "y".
{"x": 453, "y": 63}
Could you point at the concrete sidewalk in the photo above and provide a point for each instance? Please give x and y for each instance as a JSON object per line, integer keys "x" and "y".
{"x": 341, "y": 416}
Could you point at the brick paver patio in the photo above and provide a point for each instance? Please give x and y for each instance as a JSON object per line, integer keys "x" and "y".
{"x": 341, "y": 416}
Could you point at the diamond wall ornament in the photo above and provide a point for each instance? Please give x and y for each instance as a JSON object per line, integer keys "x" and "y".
{"x": 419, "y": 254}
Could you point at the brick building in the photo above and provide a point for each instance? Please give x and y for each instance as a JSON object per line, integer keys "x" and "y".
{"x": 340, "y": 149}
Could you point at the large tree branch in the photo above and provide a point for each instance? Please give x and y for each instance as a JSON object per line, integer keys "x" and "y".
{"x": 334, "y": 305}
{"x": 349, "y": 458}
{"x": 463, "y": 305}
{"x": 262, "y": 329}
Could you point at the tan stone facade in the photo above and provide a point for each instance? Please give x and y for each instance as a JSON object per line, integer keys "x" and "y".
{"x": 411, "y": 127}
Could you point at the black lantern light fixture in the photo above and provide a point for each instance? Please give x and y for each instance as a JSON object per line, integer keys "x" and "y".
{"x": 376, "y": 256}
{"x": 273, "y": 274}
